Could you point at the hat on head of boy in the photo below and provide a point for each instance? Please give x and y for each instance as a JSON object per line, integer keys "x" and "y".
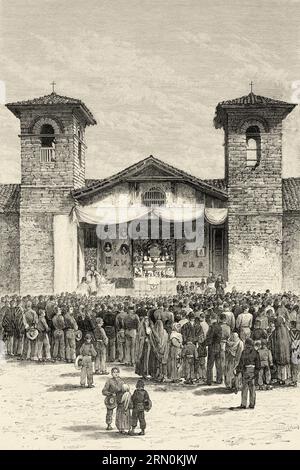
{"x": 140, "y": 383}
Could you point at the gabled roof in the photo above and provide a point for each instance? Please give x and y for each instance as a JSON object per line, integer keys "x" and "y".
{"x": 291, "y": 194}
{"x": 253, "y": 99}
{"x": 143, "y": 170}
{"x": 9, "y": 198}
{"x": 249, "y": 102}
{"x": 52, "y": 100}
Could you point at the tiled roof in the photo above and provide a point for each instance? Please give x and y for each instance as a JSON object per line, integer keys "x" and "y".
{"x": 254, "y": 99}
{"x": 94, "y": 186}
{"x": 218, "y": 183}
{"x": 9, "y": 198}
{"x": 52, "y": 99}
{"x": 291, "y": 194}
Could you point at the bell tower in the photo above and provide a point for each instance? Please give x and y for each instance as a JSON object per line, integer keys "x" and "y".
{"x": 253, "y": 170}
{"x": 52, "y": 165}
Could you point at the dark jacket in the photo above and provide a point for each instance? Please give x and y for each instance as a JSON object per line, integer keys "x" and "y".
{"x": 214, "y": 337}
{"x": 139, "y": 398}
{"x": 188, "y": 333}
{"x": 249, "y": 357}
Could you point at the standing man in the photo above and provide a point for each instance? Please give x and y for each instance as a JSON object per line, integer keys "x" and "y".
{"x": 230, "y": 319}
{"x": 70, "y": 328}
{"x": 113, "y": 392}
{"x": 110, "y": 330}
{"x": 131, "y": 324}
{"x": 31, "y": 321}
{"x": 226, "y": 332}
{"x": 244, "y": 323}
{"x": 58, "y": 335}
{"x": 120, "y": 333}
{"x": 249, "y": 367}
{"x": 213, "y": 341}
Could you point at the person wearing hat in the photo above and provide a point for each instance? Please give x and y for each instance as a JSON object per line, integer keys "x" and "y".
{"x": 258, "y": 333}
{"x": 188, "y": 329}
{"x": 140, "y": 402}
{"x": 58, "y": 322}
{"x": 110, "y": 330}
{"x": 113, "y": 391}
{"x": 88, "y": 353}
{"x": 70, "y": 328}
{"x": 249, "y": 366}
{"x": 213, "y": 342}
{"x": 100, "y": 346}
{"x": 131, "y": 324}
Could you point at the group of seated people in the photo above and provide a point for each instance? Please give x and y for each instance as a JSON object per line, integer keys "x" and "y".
{"x": 179, "y": 338}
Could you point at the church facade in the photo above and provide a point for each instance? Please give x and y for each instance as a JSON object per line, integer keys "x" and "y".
{"x": 49, "y": 223}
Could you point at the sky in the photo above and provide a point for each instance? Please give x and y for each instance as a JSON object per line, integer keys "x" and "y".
{"x": 152, "y": 73}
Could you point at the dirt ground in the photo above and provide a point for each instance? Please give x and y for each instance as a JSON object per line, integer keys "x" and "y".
{"x": 43, "y": 407}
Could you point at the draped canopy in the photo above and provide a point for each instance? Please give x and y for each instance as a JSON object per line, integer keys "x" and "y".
{"x": 116, "y": 215}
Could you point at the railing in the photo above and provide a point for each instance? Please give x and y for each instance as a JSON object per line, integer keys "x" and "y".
{"x": 47, "y": 155}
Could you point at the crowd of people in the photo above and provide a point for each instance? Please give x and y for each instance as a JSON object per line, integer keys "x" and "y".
{"x": 178, "y": 338}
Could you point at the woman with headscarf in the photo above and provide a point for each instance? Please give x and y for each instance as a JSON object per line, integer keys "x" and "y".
{"x": 142, "y": 347}
{"x": 233, "y": 352}
{"x": 159, "y": 351}
{"x": 281, "y": 350}
{"x": 123, "y": 413}
{"x": 175, "y": 347}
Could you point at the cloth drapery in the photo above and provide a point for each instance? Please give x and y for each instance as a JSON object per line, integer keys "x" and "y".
{"x": 116, "y": 215}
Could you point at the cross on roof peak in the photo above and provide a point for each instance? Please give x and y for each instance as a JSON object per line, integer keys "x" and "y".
{"x": 251, "y": 86}
{"x": 53, "y": 86}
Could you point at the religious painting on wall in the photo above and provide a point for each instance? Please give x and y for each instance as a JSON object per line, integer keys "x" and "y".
{"x": 154, "y": 258}
{"x": 191, "y": 263}
{"x": 115, "y": 259}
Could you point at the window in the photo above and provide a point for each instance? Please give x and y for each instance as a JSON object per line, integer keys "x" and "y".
{"x": 154, "y": 197}
{"x": 47, "y": 153}
{"x": 253, "y": 142}
{"x": 79, "y": 147}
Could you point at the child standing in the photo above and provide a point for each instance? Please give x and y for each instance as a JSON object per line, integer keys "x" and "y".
{"x": 123, "y": 413}
{"x": 141, "y": 402}
{"x": 88, "y": 353}
{"x": 189, "y": 355}
{"x": 266, "y": 362}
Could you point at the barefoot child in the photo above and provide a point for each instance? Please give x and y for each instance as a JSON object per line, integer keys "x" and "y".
{"x": 123, "y": 414}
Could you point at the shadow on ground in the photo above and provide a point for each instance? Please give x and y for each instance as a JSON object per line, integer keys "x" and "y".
{"x": 96, "y": 432}
{"x": 216, "y": 410}
{"x": 65, "y": 388}
{"x": 213, "y": 391}
{"x": 70, "y": 374}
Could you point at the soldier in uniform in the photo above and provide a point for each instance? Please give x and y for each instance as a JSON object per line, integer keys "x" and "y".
{"x": 70, "y": 328}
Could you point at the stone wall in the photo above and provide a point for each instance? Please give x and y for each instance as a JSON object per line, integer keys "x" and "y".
{"x": 36, "y": 253}
{"x": 254, "y": 254}
{"x": 254, "y": 201}
{"x": 291, "y": 251}
{"x": 9, "y": 253}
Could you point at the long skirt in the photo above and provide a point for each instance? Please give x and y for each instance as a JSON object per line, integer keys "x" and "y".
{"x": 283, "y": 372}
{"x": 173, "y": 369}
{"x": 123, "y": 418}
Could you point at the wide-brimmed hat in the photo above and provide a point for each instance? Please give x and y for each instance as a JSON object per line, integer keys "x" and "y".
{"x": 78, "y": 362}
{"x": 110, "y": 402}
{"x": 32, "y": 334}
{"x": 78, "y": 335}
